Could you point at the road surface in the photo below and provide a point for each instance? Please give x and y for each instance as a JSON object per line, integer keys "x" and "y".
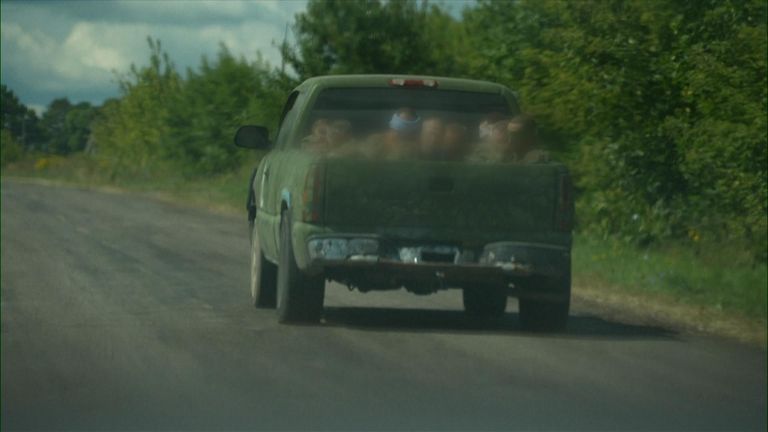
{"x": 125, "y": 312}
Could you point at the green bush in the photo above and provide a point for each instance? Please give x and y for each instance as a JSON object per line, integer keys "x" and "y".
{"x": 130, "y": 134}
{"x": 186, "y": 124}
{"x": 212, "y": 103}
{"x": 660, "y": 107}
{"x": 11, "y": 149}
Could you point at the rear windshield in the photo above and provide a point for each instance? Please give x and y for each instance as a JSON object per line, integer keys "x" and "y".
{"x": 418, "y": 123}
{"x": 369, "y": 110}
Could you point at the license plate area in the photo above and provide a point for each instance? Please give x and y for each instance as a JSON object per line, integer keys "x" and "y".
{"x": 429, "y": 254}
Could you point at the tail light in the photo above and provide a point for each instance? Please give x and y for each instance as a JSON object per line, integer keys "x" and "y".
{"x": 565, "y": 210}
{"x": 313, "y": 198}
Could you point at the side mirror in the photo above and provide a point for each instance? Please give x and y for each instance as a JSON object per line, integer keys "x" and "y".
{"x": 252, "y": 137}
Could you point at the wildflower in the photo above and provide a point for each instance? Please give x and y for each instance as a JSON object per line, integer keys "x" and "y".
{"x": 694, "y": 235}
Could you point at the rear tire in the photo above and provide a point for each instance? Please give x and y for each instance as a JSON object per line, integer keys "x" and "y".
{"x": 550, "y": 316}
{"x": 263, "y": 276}
{"x": 544, "y": 316}
{"x": 299, "y": 297}
{"x": 485, "y": 301}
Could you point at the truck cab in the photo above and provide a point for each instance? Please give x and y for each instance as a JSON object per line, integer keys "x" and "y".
{"x": 357, "y": 213}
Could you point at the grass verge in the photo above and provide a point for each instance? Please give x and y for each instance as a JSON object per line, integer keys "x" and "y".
{"x": 223, "y": 192}
{"x": 714, "y": 288}
{"x": 710, "y": 288}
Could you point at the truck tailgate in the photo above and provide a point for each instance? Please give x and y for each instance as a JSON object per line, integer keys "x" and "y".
{"x": 458, "y": 195}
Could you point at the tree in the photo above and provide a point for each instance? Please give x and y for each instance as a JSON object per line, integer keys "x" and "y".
{"x": 132, "y": 133}
{"x": 78, "y": 126}
{"x": 10, "y": 149}
{"x": 397, "y": 36}
{"x": 213, "y": 102}
{"x": 54, "y": 125}
{"x": 661, "y": 106}
{"x": 20, "y": 121}
{"x": 66, "y": 126}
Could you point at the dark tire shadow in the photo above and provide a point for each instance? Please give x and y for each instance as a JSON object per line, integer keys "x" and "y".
{"x": 449, "y": 321}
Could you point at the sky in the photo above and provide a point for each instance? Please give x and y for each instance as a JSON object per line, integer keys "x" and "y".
{"x": 60, "y": 48}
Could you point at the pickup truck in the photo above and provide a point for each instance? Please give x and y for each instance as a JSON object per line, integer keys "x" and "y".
{"x": 493, "y": 230}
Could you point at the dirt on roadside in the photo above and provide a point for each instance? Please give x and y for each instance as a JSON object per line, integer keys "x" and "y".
{"x": 655, "y": 309}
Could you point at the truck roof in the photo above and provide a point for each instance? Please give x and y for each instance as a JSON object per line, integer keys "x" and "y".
{"x": 381, "y": 80}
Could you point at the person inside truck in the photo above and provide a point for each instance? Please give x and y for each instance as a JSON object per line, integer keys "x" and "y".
{"x": 339, "y": 138}
{"x": 329, "y": 136}
{"x": 512, "y": 140}
{"x": 431, "y": 138}
{"x": 486, "y": 124}
{"x": 399, "y": 140}
{"x": 318, "y": 136}
{"x": 523, "y": 137}
{"x": 454, "y": 146}
{"x": 494, "y": 143}
{"x": 441, "y": 141}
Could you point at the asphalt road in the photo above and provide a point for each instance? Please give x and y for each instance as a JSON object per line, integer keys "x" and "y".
{"x": 123, "y": 312}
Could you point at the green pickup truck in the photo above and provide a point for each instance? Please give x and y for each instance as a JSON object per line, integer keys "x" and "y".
{"x": 331, "y": 204}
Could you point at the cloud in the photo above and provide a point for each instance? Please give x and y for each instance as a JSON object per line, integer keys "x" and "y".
{"x": 38, "y": 60}
{"x": 184, "y": 13}
{"x": 72, "y": 48}
{"x": 91, "y": 47}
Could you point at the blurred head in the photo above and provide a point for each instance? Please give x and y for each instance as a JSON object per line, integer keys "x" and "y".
{"x": 399, "y": 139}
{"x": 405, "y": 122}
{"x": 431, "y": 136}
{"x": 407, "y": 114}
{"x": 338, "y": 132}
{"x": 522, "y": 134}
{"x": 484, "y": 129}
{"x": 454, "y": 141}
{"x": 320, "y": 128}
{"x": 498, "y": 136}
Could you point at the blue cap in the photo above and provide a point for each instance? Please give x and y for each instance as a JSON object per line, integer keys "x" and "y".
{"x": 401, "y": 125}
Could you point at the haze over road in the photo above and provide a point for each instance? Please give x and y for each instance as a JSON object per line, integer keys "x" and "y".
{"x": 123, "y": 312}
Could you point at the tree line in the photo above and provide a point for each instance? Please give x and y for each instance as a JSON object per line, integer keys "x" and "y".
{"x": 63, "y": 128}
{"x": 659, "y": 107}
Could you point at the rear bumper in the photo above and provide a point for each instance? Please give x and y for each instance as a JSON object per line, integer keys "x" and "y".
{"x": 432, "y": 277}
{"x": 374, "y": 262}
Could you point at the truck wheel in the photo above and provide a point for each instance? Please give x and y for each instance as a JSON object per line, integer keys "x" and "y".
{"x": 485, "y": 301}
{"x": 543, "y": 316}
{"x": 263, "y": 276}
{"x": 299, "y": 297}
{"x": 536, "y": 315}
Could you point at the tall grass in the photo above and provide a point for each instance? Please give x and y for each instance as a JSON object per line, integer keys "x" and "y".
{"x": 226, "y": 190}
{"x": 721, "y": 276}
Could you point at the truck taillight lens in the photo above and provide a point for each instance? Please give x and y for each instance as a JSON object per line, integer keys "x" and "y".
{"x": 313, "y": 198}
{"x": 565, "y": 211}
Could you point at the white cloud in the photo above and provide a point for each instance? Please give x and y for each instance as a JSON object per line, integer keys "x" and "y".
{"x": 246, "y": 39}
{"x": 90, "y": 46}
{"x": 70, "y": 49}
{"x": 42, "y": 61}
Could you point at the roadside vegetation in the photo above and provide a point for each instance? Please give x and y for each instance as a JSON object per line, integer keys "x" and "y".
{"x": 660, "y": 108}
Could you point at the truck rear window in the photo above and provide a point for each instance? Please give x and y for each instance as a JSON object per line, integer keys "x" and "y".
{"x": 369, "y": 110}
{"x": 407, "y": 123}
